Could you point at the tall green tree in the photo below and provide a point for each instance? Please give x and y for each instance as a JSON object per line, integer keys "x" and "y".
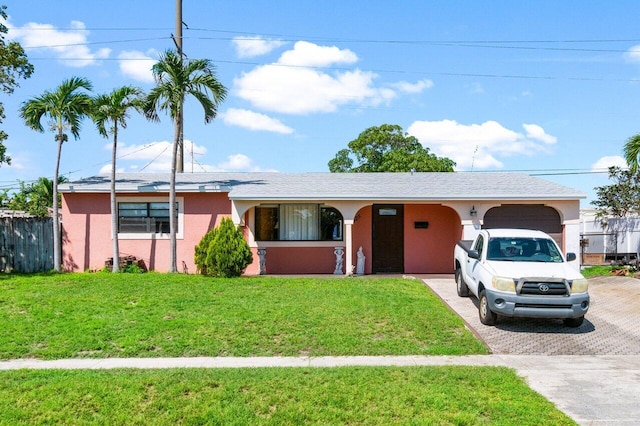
{"x": 387, "y": 148}
{"x": 632, "y": 152}
{"x": 110, "y": 112}
{"x": 176, "y": 78}
{"x": 14, "y": 65}
{"x": 64, "y": 108}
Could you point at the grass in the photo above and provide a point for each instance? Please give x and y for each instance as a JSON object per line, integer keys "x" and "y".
{"x": 356, "y": 395}
{"x": 604, "y": 271}
{"x": 118, "y": 315}
{"x": 596, "y": 271}
{"x": 103, "y": 315}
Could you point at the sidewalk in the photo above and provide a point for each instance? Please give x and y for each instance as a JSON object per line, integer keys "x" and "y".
{"x": 593, "y": 390}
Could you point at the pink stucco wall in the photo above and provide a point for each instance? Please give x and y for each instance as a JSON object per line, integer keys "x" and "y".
{"x": 87, "y": 241}
{"x": 299, "y": 260}
{"x": 430, "y": 251}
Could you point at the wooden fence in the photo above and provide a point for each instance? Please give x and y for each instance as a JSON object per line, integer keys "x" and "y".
{"x": 26, "y": 244}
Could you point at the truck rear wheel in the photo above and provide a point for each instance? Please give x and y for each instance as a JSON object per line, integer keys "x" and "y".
{"x": 461, "y": 286}
{"x": 487, "y": 316}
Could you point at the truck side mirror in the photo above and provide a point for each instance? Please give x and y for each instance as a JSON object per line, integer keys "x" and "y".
{"x": 571, "y": 257}
{"x": 474, "y": 254}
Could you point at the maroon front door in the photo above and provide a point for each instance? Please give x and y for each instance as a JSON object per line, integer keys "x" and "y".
{"x": 388, "y": 238}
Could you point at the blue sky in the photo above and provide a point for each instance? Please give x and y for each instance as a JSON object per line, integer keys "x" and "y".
{"x": 546, "y": 87}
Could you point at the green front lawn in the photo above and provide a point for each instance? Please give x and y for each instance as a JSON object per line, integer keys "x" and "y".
{"x": 161, "y": 315}
{"x": 275, "y": 396}
{"x": 129, "y": 315}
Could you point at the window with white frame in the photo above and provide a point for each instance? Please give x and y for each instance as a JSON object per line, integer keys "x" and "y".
{"x": 298, "y": 222}
{"x": 147, "y": 217}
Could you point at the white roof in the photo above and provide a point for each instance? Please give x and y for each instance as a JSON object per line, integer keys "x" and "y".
{"x": 340, "y": 186}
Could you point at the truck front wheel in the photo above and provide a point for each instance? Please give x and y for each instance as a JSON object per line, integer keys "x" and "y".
{"x": 461, "y": 286}
{"x": 487, "y": 316}
{"x": 574, "y": 322}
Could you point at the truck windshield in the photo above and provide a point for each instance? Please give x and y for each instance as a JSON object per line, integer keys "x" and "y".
{"x": 523, "y": 250}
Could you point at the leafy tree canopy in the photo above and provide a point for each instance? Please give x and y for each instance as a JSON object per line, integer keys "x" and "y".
{"x": 620, "y": 198}
{"x": 13, "y": 66}
{"x": 387, "y": 148}
{"x": 35, "y": 198}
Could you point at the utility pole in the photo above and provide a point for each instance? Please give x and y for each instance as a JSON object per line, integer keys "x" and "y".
{"x": 178, "y": 41}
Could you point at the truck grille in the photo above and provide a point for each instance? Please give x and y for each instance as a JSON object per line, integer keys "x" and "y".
{"x": 543, "y": 288}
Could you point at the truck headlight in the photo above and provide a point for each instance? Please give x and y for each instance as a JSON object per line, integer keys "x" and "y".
{"x": 581, "y": 285}
{"x": 504, "y": 284}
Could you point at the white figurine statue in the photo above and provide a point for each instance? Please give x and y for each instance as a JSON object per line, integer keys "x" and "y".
{"x": 360, "y": 264}
{"x": 339, "y": 252}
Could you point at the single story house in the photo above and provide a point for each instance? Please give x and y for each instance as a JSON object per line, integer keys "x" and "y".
{"x": 313, "y": 223}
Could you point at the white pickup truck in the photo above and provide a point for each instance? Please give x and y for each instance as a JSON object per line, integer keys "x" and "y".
{"x": 520, "y": 273}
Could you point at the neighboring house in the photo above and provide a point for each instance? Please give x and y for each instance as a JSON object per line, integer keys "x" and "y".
{"x": 610, "y": 239}
{"x": 314, "y": 223}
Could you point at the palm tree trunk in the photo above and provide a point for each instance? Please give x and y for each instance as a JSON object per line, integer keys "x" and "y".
{"x": 173, "y": 264}
{"x": 57, "y": 240}
{"x": 114, "y": 206}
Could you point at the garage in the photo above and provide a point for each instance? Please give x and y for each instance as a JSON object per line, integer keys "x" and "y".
{"x": 525, "y": 216}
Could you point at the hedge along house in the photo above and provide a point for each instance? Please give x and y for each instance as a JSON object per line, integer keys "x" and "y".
{"x": 313, "y": 223}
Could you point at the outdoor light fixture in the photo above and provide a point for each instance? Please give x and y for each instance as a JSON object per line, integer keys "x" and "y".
{"x": 473, "y": 211}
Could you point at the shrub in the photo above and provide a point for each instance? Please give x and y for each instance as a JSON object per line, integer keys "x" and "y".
{"x": 223, "y": 251}
{"x": 132, "y": 268}
{"x": 201, "y": 251}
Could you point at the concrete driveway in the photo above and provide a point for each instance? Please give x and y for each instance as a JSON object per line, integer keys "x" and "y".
{"x": 592, "y": 372}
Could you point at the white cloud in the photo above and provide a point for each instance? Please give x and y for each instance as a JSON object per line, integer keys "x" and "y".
{"x": 137, "y": 65}
{"x": 69, "y": 46}
{"x": 605, "y": 162}
{"x": 633, "y": 54}
{"x": 300, "y": 90}
{"x": 475, "y": 88}
{"x": 249, "y": 47}
{"x": 536, "y": 132}
{"x": 254, "y": 121}
{"x": 305, "y": 54}
{"x": 236, "y": 163}
{"x": 417, "y": 87}
{"x": 479, "y": 146}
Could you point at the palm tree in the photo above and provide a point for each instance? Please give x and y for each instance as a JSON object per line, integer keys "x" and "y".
{"x": 65, "y": 108}
{"x": 175, "y": 79}
{"x": 110, "y": 112}
{"x": 632, "y": 152}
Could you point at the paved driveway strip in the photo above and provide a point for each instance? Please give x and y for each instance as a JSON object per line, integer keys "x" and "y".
{"x": 592, "y": 372}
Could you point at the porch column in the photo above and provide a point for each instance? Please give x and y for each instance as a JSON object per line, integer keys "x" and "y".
{"x": 348, "y": 264}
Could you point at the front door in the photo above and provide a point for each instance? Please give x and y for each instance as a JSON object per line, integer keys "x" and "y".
{"x": 388, "y": 238}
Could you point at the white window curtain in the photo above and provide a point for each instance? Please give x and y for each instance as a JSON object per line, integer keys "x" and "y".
{"x": 299, "y": 222}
